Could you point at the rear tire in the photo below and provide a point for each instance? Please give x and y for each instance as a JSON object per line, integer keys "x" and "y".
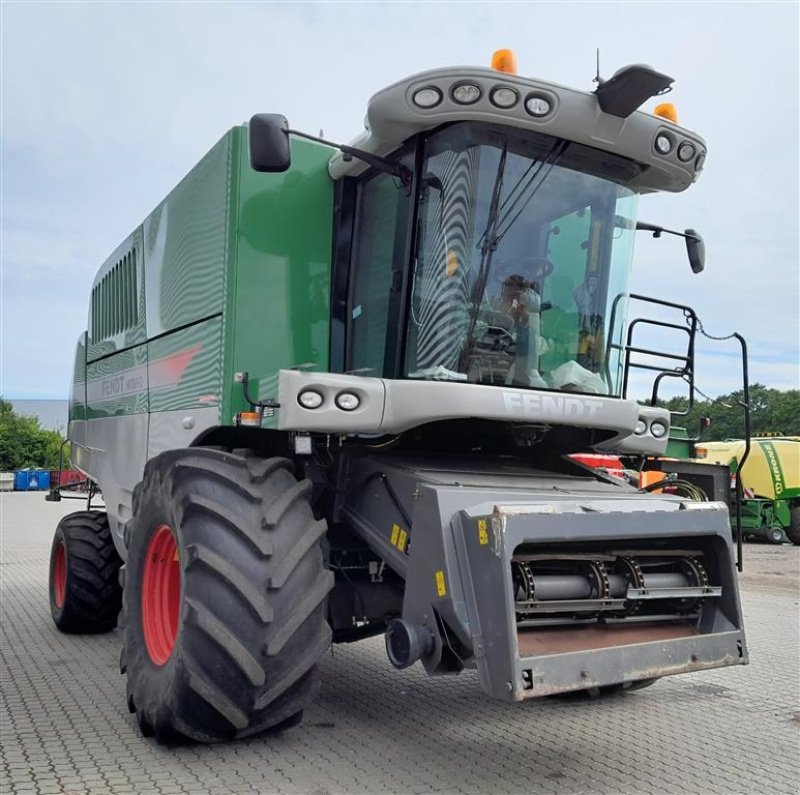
{"x": 85, "y": 595}
{"x": 225, "y": 596}
{"x": 793, "y": 531}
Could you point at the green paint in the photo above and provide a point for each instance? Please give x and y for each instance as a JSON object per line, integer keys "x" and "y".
{"x": 77, "y": 400}
{"x": 760, "y": 516}
{"x": 185, "y": 244}
{"x": 230, "y": 272}
{"x": 775, "y": 469}
{"x": 278, "y": 299}
{"x": 109, "y": 329}
{"x": 679, "y": 444}
{"x": 117, "y": 384}
{"x": 183, "y": 368}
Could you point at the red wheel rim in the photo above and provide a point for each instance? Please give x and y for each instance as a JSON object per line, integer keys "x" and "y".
{"x": 60, "y": 575}
{"x": 161, "y": 595}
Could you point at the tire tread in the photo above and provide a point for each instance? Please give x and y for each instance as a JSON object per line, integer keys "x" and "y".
{"x": 93, "y": 596}
{"x": 253, "y": 622}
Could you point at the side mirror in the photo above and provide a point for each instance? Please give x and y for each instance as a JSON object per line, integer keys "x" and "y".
{"x": 269, "y": 143}
{"x": 696, "y": 249}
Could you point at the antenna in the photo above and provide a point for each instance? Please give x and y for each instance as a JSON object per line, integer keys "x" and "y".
{"x": 599, "y": 80}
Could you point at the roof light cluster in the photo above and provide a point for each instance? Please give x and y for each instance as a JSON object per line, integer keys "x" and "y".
{"x": 666, "y": 143}
{"x": 493, "y": 95}
{"x": 537, "y": 103}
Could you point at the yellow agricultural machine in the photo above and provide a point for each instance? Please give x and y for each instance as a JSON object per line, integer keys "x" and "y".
{"x": 770, "y": 480}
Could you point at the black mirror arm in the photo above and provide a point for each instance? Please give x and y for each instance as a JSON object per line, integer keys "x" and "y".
{"x": 403, "y": 173}
{"x": 643, "y": 226}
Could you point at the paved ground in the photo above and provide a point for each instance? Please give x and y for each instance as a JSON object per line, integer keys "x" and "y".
{"x": 65, "y": 727}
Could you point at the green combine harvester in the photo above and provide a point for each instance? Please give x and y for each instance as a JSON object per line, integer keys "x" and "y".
{"x": 329, "y": 392}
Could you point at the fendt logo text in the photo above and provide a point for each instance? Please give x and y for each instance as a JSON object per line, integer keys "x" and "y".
{"x": 550, "y": 406}
{"x": 774, "y": 466}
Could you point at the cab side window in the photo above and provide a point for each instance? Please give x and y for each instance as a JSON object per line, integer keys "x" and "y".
{"x": 380, "y": 205}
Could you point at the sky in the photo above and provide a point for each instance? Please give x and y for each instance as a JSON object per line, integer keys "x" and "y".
{"x": 106, "y": 106}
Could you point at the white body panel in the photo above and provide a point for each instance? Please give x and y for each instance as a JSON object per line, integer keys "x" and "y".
{"x": 114, "y": 450}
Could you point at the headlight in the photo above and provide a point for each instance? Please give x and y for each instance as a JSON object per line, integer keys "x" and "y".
{"x": 428, "y": 97}
{"x": 641, "y": 427}
{"x": 310, "y": 399}
{"x": 700, "y": 162}
{"x": 538, "y": 106}
{"x": 663, "y": 144}
{"x": 347, "y": 401}
{"x": 658, "y": 429}
{"x": 466, "y": 94}
{"x": 504, "y": 97}
{"x": 686, "y": 152}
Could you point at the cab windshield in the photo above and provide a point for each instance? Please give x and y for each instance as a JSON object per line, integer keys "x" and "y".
{"x": 523, "y": 242}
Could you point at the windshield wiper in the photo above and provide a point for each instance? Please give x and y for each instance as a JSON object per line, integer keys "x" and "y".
{"x": 489, "y": 241}
{"x": 492, "y": 234}
{"x": 546, "y": 165}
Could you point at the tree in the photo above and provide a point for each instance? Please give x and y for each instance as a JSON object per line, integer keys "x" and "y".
{"x": 24, "y": 443}
{"x": 771, "y": 411}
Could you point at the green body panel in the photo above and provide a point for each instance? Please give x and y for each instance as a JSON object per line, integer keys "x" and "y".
{"x": 758, "y": 516}
{"x": 185, "y": 243}
{"x": 108, "y": 292}
{"x": 783, "y": 512}
{"x": 183, "y": 367}
{"x": 232, "y": 272}
{"x": 117, "y": 384}
{"x": 77, "y": 399}
{"x": 278, "y": 295}
{"x": 679, "y": 445}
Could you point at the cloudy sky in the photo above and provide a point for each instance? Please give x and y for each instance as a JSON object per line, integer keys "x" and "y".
{"x": 105, "y": 106}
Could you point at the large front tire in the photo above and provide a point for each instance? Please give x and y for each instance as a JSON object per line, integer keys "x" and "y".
{"x": 85, "y": 596}
{"x": 225, "y": 596}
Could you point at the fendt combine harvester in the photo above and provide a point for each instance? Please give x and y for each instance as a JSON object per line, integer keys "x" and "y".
{"x": 329, "y": 392}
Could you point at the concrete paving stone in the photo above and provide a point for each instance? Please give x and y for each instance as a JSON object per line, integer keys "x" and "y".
{"x": 374, "y": 730}
{"x": 114, "y": 781}
{"x": 18, "y": 765}
{"x": 19, "y": 779}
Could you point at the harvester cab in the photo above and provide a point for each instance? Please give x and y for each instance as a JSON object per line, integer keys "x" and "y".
{"x": 349, "y": 409}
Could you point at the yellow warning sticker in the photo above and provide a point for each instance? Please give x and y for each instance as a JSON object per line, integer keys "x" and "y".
{"x": 483, "y": 533}
{"x": 441, "y": 589}
{"x": 395, "y": 534}
{"x": 401, "y": 540}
